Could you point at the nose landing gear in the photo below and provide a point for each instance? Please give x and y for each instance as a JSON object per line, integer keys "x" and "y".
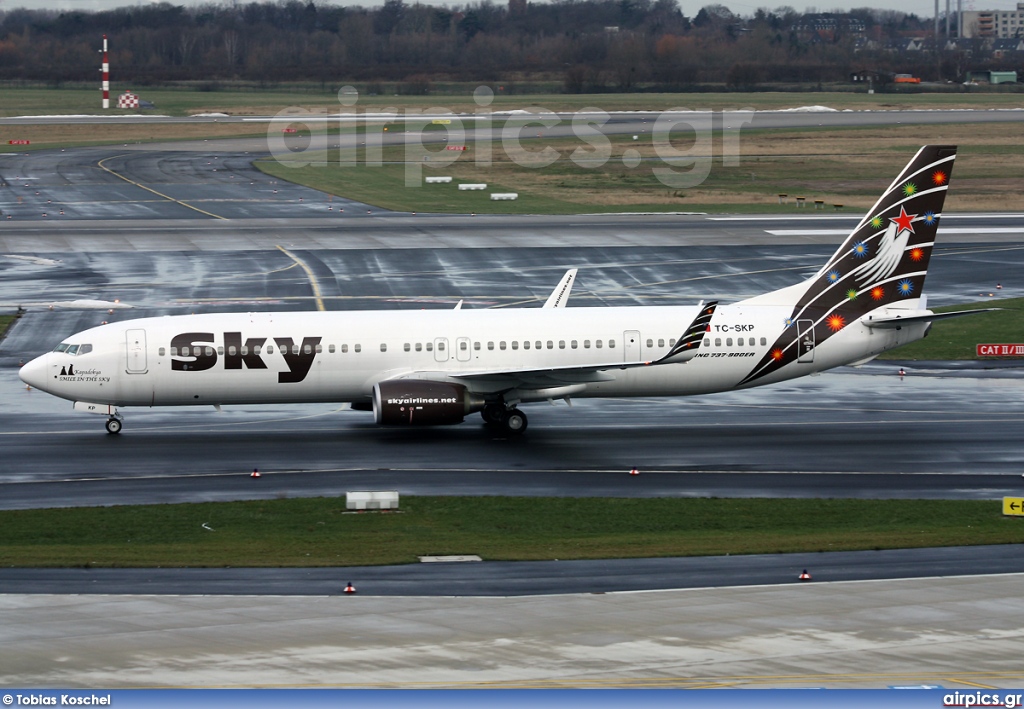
{"x": 114, "y": 424}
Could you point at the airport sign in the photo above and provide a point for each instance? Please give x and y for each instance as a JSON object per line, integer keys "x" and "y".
{"x": 1013, "y": 506}
{"x": 1001, "y": 350}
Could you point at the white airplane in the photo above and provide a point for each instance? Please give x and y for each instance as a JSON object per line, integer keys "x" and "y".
{"x": 419, "y": 367}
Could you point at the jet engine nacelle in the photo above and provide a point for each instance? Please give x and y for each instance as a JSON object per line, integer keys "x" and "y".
{"x": 410, "y": 402}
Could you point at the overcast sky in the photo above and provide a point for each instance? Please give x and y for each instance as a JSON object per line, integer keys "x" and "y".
{"x": 924, "y": 8}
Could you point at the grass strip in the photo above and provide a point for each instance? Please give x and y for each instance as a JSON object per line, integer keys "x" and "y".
{"x": 458, "y": 97}
{"x": 846, "y": 167}
{"x": 955, "y": 339}
{"x": 319, "y": 532}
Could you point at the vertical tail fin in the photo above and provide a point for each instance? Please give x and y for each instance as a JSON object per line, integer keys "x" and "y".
{"x": 884, "y": 260}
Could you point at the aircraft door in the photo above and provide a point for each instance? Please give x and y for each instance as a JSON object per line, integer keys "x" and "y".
{"x": 135, "y": 347}
{"x": 440, "y": 349}
{"x": 631, "y": 346}
{"x": 805, "y": 340}
{"x": 463, "y": 351}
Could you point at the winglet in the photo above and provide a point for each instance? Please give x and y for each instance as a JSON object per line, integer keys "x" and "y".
{"x": 560, "y": 295}
{"x": 686, "y": 348}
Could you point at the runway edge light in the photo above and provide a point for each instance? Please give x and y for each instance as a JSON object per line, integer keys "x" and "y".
{"x": 1013, "y": 506}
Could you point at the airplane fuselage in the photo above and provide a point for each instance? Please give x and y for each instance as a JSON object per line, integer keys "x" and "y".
{"x": 290, "y": 357}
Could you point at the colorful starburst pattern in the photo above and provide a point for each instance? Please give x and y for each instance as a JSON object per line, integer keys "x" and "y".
{"x": 860, "y": 249}
{"x": 852, "y": 294}
{"x": 930, "y": 218}
{"x": 939, "y": 177}
{"x": 916, "y": 254}
{"x": 909, "y": 189}
{"x": 876, "y": 223}
{"x": 777, "y": 354}
{"x": 836, "y": 322}
{"x": 878, "y": 292}
{"x": 905, "y": 287}
{"x": 833, "y": 276}
{"x": 788, "y": 322}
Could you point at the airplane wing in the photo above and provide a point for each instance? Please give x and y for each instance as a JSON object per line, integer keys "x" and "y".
{"x": 900, "y": 321}
{"x": 684, "y": 350}
{"x": 560, "y": 295}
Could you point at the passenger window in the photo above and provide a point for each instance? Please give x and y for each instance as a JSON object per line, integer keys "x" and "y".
{"x": 344, "y": 348}
{"x": 574, "y": 344}
{"x": 586, "y": 344}
{"x": 407, "y": 347}
{"x": 671, "y": 342}
{"x": 501, "y": 345}
{"x": 515, "y": 344}
{"x": 85, "y": 349}
{"x": 661, "y": 343}
{"x": 650, "y": 342}
{"x": 220, "y": 350}
{"x": 174, "y": 352}
{"x": 728, "y": 342}
{"x": 295, "y": 349}
{"x": 463, "y": 346}
{"x": 718, "y": 342}
{"x": 318, "y": 349}
{"x": 185, "y": 352}
{"x": 551, "y": 345}
{"x": 561, "y": 344}
{"x": 537, "y": 344}
{"x": 707, "y": 342}
{"x": 270, "y": 349}
{"x": 209, "y": 352}
{"x": 490, "y": 345}
{"x": 440, "y": 346}
{"x": 430, "y": 347}
{"x": 419, "y": 346}
{"x": 330, "y": 348}
{"x": 357, "y": 348}
{"x": 160, "y": 351}
{"x": 598, "y": 344}
{"x": 764, "y": 341}
{"x": 526, "y": 344}
{"x": 255, "y": 349}
{"x": 232, "y": 350}
{"x": 383, "y": 347}
{"x": 476, "y": 346}
{"x": 611, "y": 344}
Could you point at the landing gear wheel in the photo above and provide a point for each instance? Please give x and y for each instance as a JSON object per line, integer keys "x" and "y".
{"x": 493, "y": 414}
{"x": 113, "y": 426}
{"x": 515, "y": 422}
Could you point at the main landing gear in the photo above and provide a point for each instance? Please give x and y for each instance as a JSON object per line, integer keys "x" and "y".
{"x": 510, "y": 421}
{"x": 114, "y": 424}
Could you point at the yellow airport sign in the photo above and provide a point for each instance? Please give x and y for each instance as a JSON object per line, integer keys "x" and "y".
{"x": 1013, "y": 506}
{"x": 442, "y": 121}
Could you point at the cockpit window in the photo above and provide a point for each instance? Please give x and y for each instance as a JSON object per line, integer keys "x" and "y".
{"x": 73, "y": 349}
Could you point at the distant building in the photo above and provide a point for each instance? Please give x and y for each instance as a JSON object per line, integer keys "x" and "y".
{"x": 992, "y": 77}
{"x": 993, "y": 23}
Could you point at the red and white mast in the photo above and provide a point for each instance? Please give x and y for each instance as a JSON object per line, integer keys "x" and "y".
{"x": 106, "y": 75}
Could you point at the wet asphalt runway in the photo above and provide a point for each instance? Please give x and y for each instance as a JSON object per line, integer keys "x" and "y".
{"x": 939, "y": 432}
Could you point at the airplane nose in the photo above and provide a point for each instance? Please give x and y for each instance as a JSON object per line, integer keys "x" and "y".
{"x": 35, "y": 373}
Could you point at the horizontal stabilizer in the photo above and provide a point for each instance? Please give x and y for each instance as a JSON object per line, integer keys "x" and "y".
{"x": 900, "y": 321}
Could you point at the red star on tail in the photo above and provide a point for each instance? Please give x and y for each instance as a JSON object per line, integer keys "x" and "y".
{"x": 904, "y": 221}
